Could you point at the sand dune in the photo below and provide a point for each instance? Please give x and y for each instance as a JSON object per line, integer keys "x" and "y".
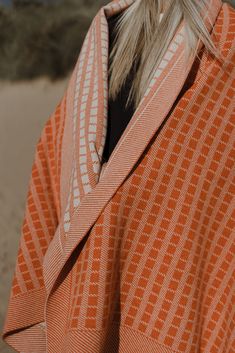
{"x": 24, "y": 108}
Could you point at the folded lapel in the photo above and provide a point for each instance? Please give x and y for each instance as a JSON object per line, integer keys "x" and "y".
{"x": 159, "y": 98}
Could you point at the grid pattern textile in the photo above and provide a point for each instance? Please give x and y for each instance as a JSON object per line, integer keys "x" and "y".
{"x": 136, "y": 254}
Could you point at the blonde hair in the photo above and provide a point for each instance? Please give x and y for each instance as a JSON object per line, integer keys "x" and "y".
{"x": 143, "y": 36}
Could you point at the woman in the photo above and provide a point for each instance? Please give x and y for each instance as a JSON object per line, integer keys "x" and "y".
{"x": 129, "y": 248}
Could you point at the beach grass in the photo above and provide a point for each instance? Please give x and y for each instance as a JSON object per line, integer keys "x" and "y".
{"x": 43, "y": 40}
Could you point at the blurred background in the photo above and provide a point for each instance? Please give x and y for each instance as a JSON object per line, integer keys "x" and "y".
{"x": 40, "y": 41}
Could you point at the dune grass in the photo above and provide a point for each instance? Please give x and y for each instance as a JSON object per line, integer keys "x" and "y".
{"x": 43, "y": 40}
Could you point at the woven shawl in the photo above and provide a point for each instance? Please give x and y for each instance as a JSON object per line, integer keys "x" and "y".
{"x": 136, "y": 255}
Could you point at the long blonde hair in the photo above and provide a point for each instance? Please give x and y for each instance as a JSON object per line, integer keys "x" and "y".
{"x": 143, "y": 36}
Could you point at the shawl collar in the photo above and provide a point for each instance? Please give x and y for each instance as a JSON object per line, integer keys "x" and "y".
{"x": 88, "y": 192}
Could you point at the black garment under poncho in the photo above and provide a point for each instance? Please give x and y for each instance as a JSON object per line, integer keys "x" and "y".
{"x": 118, "y": 115}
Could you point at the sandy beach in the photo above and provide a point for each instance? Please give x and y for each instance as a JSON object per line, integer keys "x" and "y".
{"x": 24, "y": 108}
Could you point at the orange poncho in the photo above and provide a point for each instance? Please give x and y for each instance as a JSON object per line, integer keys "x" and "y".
{"x": 136, "y": 255}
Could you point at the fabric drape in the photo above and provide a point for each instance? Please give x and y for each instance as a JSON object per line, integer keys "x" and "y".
{"x": 136, "y": 255}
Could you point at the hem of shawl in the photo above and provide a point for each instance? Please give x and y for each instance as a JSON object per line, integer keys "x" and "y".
{"x": 116, "y": 338}
{"x": 23, "y": 328}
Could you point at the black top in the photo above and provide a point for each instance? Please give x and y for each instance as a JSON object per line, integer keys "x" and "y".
{"x": 118, "y": 115}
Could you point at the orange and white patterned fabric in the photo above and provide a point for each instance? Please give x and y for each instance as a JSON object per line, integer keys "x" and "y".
{"x": 136, "y": 255}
